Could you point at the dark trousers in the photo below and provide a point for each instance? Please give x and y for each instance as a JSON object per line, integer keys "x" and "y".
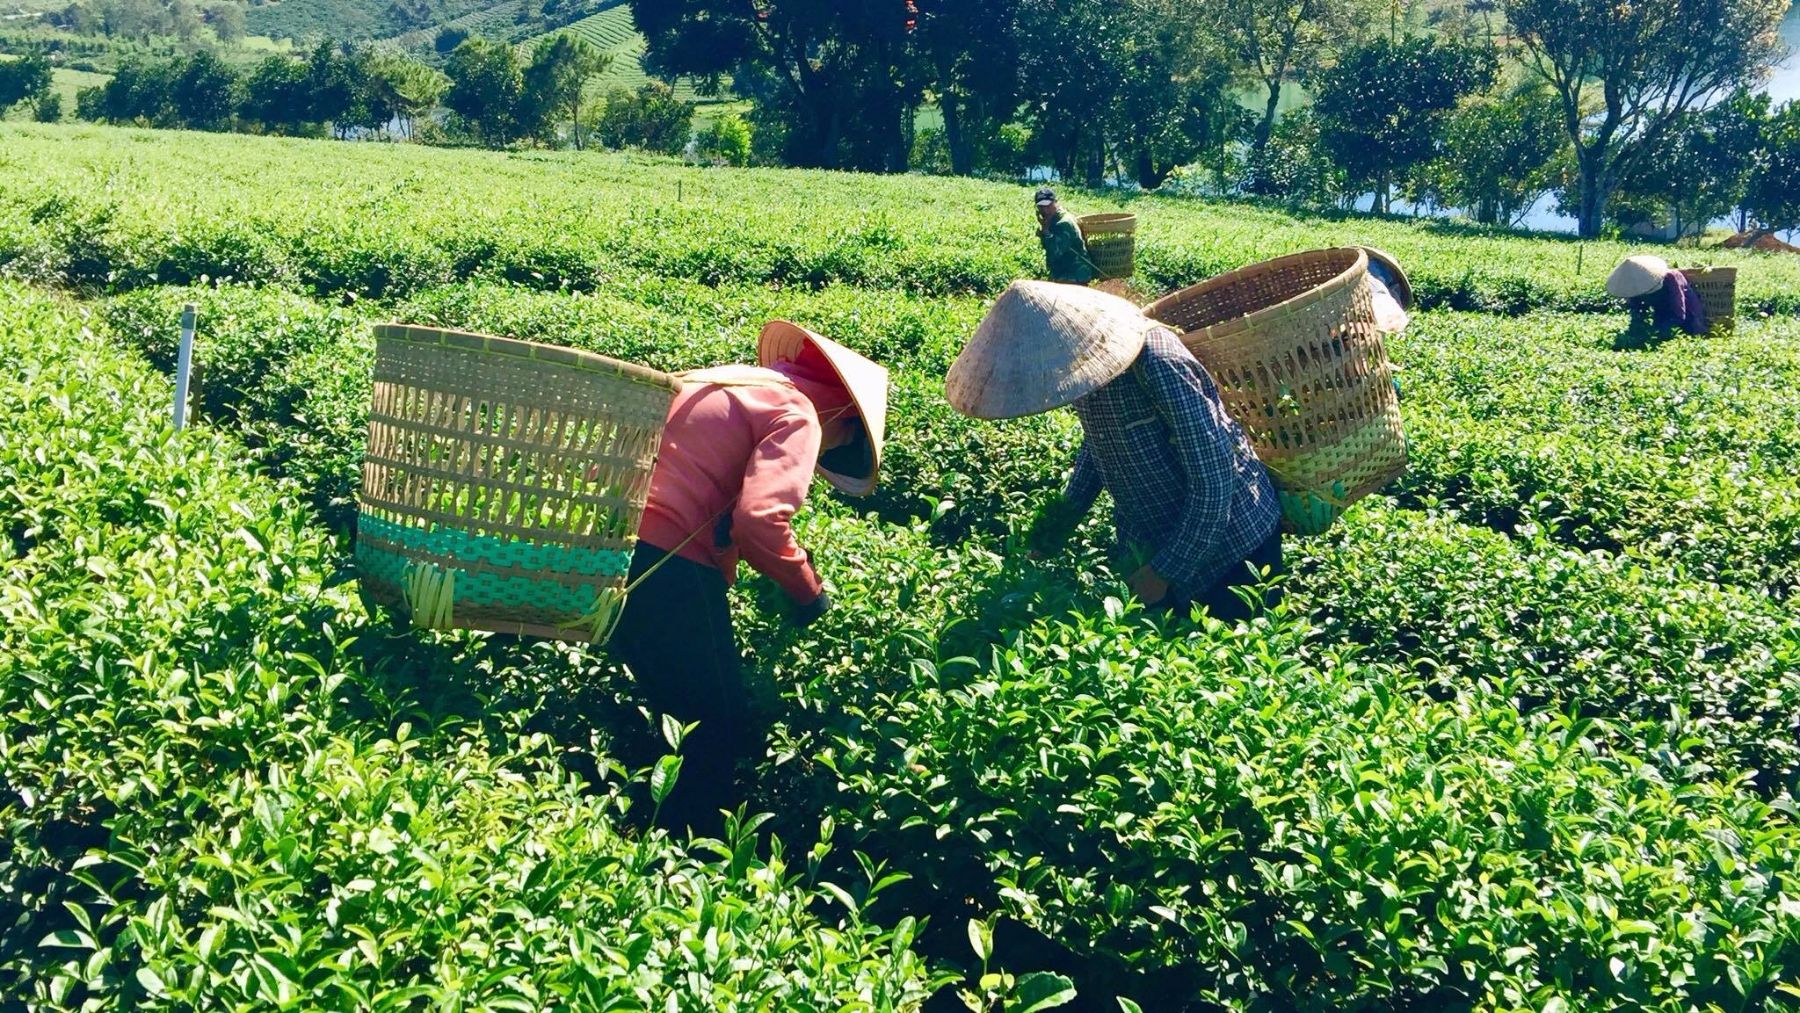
{"x": 676, "y": 639}
{"x": 1222, "y": 601}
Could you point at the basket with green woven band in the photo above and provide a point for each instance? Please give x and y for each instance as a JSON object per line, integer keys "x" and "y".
{"x": 1300, "y": 364}
{"x": 1717, "y": 289}
{"x": 504, "y": 481}
{"x": 1111, "y": 245}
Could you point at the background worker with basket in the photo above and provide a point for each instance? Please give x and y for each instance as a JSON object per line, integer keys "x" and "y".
{"x": 1065, "y": 250}
{"x": 738, "y": 454}
{"x": 1193, "y": 506}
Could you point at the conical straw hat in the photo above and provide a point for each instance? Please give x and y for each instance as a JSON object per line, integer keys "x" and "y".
{"x": 1637, "y": 276}
{"x": 855, "y": 469}
{"x": 1042, "y": 346}
{"x": 1401, "y": 286}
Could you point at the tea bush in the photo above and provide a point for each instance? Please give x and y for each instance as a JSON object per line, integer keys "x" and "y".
{"x": 117, "y": 208}
{"x": 1710, "y": 675}
{"x": 1210, "y": 818}
{"x": 1683, "y": 451}
{"x": 209, "y": 804}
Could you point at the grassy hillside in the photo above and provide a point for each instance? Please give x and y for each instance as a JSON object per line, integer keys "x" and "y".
{"x": 355, "y": 19}
{"x": 613, "y": 32}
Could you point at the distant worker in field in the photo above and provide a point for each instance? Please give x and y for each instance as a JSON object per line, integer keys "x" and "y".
{"x": 737, "y": 458}
{"x": 1065, "y": 251}
{"x": 1652, "y": 289}
{"x": 1195, "y": 511}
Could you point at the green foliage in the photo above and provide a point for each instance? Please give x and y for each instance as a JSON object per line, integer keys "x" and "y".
{"x": 1643, "y": 67}
{"x": 1704, "y": 168}
{"x": 1773, "y": 197}
{"x": 486, "y": 84}
{"x": 23, "y": 79}
{"x": 87, "y": 207}
{"x": 1381, "y": 109}
{"x": 554, "y": 81}
{"x": 1679, "y": 453}
{"x": 727, "y": 141}
{"x": 48, "y": 109}
{"x": 651, "y": 119}
{"x": 219, "y": 791}
{"x": 1501, "y": 154}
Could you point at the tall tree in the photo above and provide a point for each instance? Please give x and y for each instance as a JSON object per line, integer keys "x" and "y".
{"x": 1276, "y": 40}
{"x": 485, "y": 86}
{"x": 1700, "y": 173}
{"x": 970, "y": 57}
{"x": 1382, "y": 108}
{"x": 1174, "y": 102}
{"x": 1501, "y": 154}
{"x": 410, "y": 88}
{"x": 275, "y": 95}
{"x": 1626, "y": 72}
{"x": 205, "y": 92}
{"x": 23, "y": 79}
{"x": 651, "y": 118}
{"x": 330, "y": 90}
{"x": 1069, "y": 62}
{"x": 555, "y": 80}
{"x": 1773, "y": 197}
{"x": 837, "y": 76}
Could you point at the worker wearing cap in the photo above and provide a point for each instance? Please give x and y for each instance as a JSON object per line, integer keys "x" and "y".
{"x": 1065, "y": 251}
{"x": 1195, "y": 511}
{"x": 738, "y": 454}
{"x": 1649, "y": 285}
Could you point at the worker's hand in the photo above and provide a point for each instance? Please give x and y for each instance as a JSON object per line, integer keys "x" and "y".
{"x": 806, "y": 615}
{"x": 1148, "y": 585}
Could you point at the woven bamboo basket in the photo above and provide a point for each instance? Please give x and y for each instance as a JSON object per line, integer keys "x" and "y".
{"x": 1717, "y": 289}
{"x": 1300, "y": 364}
{"x": 504, "y": 481}
{"x": 1112, "y": 245}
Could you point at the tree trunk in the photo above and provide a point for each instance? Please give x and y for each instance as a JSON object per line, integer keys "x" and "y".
{"x": 1265, "y": 128}
{"x": 1595, "y": 193}
{"x": 962, "y": 161}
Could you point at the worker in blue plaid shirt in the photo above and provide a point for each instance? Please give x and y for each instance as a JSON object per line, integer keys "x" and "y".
{"x": 1196, "y": 513}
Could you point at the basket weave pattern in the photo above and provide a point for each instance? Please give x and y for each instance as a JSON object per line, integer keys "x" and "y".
{"x": 1293, "y": 346}
{"x": 1717, "y": 289}
{"x": 520, "y": 468}
{"x": 1112, "y": 245}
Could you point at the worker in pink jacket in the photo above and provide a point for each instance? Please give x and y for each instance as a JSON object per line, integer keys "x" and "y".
{"x": 738, "y": 455}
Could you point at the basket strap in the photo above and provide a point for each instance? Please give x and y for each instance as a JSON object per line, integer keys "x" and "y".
{"x": 676, "y": 551}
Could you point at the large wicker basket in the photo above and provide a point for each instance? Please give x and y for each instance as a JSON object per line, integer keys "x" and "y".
{"x": 1111, "y": 244}
{"x": 1293, "y": 346}
{"x": 504, "y": 481}
{"x": 1717, "y": 289}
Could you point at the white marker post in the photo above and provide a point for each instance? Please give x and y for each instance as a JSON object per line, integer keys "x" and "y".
{"x": 184, "y": 365}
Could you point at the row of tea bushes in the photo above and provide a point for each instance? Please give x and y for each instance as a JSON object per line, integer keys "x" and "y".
{"x": 210, "y": 803}
{"x": 118, "y": 208}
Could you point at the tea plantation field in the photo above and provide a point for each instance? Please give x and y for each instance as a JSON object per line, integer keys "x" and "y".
{"x": 1524, "y": 734}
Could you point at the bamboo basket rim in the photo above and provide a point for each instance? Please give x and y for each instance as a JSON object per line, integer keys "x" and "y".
{"x": 1108, "y": 222}
{"x": 536, "y": 351}
{"x": 1349, "y": 276}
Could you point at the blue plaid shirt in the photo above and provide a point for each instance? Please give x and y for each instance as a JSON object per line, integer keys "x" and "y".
{"x": 1185, "y": 483}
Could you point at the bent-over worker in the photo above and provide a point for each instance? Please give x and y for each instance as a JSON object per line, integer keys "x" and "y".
{"x": 1649, "y": 284}
{"x": 736, "y": 460}
{"x": 1195, "y": 511}
{"x": 1065, "y": 251}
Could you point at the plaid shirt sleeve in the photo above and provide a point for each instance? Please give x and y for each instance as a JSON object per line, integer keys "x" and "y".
{"x": 1085, "y": 482}
{"x": 1189, "y": 404}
